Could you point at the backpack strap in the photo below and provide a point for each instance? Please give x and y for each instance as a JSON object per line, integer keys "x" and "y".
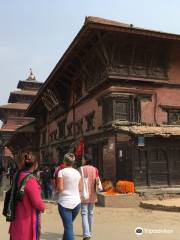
{"x": 23, "y": 185}
{"x": 82, "y": 172}
{"x": 24, "y": 181}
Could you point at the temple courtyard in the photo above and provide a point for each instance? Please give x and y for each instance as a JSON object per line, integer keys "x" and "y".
{"x": 110, "y": 224}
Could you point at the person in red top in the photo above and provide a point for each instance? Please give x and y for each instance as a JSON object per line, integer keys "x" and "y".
{"x": 87, "y": 206}
{"x": 26, "y": 225}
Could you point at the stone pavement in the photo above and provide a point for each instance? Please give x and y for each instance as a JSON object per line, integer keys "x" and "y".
{"x": 172, "y": 204}
{"x": 111, "y": 224}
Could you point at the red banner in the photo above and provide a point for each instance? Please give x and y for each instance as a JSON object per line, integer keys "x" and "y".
{"x": 80, "y": 149}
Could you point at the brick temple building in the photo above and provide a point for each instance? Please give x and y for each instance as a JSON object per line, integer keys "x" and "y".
{"x": 117, "y": 87}
{"x": 12, "y": 113}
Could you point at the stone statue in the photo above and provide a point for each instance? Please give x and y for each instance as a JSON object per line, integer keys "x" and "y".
{"x": 31, "y": 75}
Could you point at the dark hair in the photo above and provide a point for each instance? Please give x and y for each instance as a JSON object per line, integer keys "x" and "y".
{"x": 28, "y": 161}
{"x": 87, "y": 158}
{"x": 28, "y": 165}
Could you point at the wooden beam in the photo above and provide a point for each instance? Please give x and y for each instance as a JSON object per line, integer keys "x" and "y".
{"x": 102, "y": 47}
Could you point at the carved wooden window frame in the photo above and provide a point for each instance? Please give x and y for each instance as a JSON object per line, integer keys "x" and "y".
{"x": 69, "y": 129}
{"x": 110, "y": 113}
{"x": 174, "y": 112}
{"x": 62, "y": 129}
{"x": 123, "y": 116}
{"x": 90, "y": 121}
{"x": 55, "y": 135}
{"x": 79, "y": 127}
{"x": 51, "y": 137}
{"x": 44, "y": 137}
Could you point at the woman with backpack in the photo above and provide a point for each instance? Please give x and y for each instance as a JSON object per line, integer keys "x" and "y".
{"x": 28, "y": 202}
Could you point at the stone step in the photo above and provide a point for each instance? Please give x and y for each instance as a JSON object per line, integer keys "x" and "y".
{"x": 124, "y": 200}
{"x": 170, "y": 205}
{"x": 158, "y": 193}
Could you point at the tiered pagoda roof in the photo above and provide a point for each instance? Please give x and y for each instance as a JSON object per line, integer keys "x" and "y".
{"x": 12, "y": 113}
{"x": 17, "y": 106}
{"x": 15, "y": 95}
{"x": 19, "y": 100}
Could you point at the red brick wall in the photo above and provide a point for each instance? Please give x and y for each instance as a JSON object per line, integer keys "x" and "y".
{"x": 80, "y": 112}
{"x": 151, "y": 111}
{"x": 165, "y": 96}
{"x": 85, "y": 108}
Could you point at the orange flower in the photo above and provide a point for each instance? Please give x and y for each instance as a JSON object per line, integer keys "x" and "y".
{"x": 125, "y": 187}
{"x": 110, "y": 192}
{"x": 107, "y": 186}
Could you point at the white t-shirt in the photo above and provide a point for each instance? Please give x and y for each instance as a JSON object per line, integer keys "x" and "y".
{"x": 70, "y": 196}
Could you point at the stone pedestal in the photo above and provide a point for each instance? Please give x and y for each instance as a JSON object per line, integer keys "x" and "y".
{"x": 129, "y": 200}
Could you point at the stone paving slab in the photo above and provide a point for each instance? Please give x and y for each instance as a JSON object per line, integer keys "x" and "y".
{"x": 172, "y": 204}
{"x": 158, "y": 190}
{"x": 110, "y": 224}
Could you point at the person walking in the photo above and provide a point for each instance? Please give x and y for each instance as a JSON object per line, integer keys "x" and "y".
{"x": 68, "y": 185}
{"x": 87, "y": 205}
{"x": 2, "y": 169}
{"x": 12, "y": 171}
{"x": 46, "y": 183}
{"x": 55, "y": 176}
{"x": 26, "y": 224}
{"x": 54, "y": 181}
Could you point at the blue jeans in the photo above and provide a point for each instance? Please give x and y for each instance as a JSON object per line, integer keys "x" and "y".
{"x": 47, "y": 191}
{"x": 68, "y": 216}
{"x": 87, "y": 210}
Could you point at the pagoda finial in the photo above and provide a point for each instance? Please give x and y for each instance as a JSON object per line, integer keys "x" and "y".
{"x": 31, "y": 75}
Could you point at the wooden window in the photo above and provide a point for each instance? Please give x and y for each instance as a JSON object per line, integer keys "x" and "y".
{"x": 125, "y": 108}
{"x": 61, "y": 128}
{"x": 121, "y": 110}
{"x": 90, "y": 121}
{"x": 51, "y": 137}
{"x": 55, "y": 135}
{"x": 136, "y": 111}
{"x": 69, "y": 129}
{"x": 79, "y": 127}
{"x": 44, "y": 133}
{"x": 174, "y": 117}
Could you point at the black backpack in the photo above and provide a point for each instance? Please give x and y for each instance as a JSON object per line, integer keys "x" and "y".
{"x": 13, "y": 195}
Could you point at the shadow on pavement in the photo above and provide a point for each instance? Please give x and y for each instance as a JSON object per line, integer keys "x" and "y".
{"x": 54, "y": 236}
{"x": 51, "y": 236}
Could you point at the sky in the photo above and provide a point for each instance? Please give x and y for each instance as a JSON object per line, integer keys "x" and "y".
{"x": 36, "y": 33}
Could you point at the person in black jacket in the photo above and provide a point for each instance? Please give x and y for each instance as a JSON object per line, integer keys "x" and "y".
{"x": 2, "y": 169}
{"x": 46, "y": 182}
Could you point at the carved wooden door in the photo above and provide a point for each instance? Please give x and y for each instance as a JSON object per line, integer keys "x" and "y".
{"x": 123, "y": 162}
{"x": 157, "y": 166}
